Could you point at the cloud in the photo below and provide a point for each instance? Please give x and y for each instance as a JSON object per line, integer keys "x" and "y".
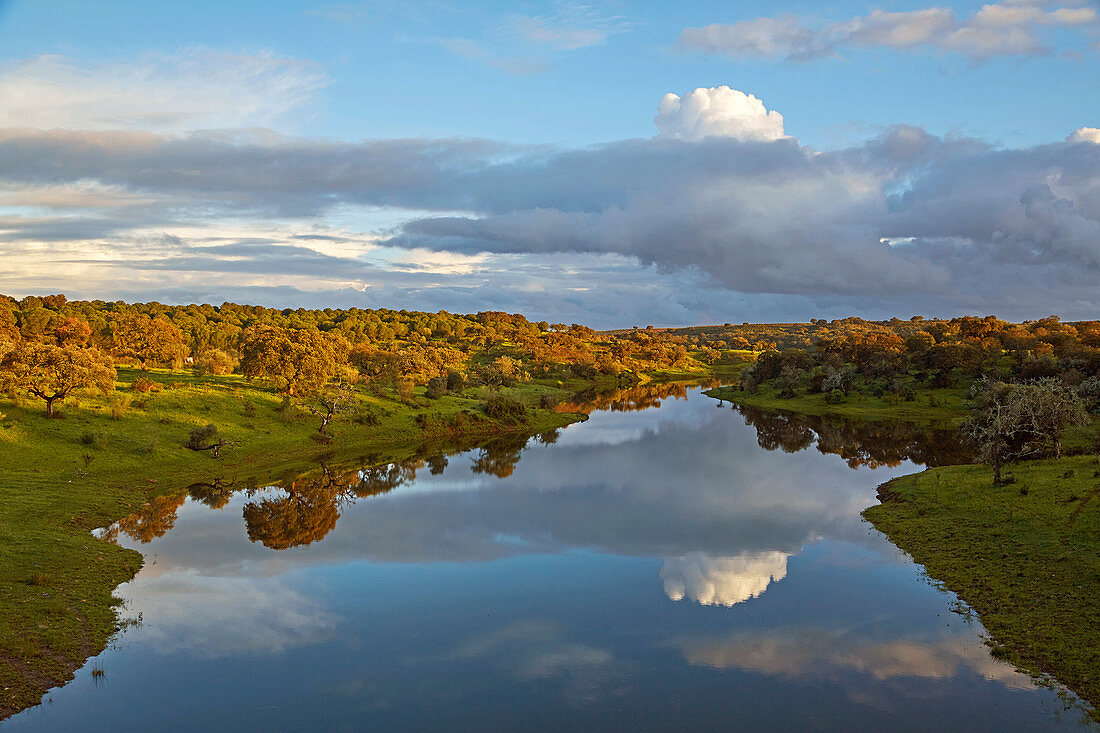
{"x": 1085, "y": 135}
{"x": 999, "y": 29}
{"x": 247, "y": 615}
{"x": 717, "y": 206}
{"x": 819, "y": 653}
{"x": 480, "y": 51}
{"x": 722, "y": 581}
{"x": 193, "y": 89}
{"x": 570, "y": 27}
{"x": 717, "y": 111}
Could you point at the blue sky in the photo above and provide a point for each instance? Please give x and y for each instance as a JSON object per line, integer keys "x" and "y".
{"x": 560, "y": 89}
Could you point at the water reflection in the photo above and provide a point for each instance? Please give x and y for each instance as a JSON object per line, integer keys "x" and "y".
{"x": 647, "y": 565}
{"x": 722, "y": 581}
{"x": 873, "y": 444}
{"x": 305, "y": 508}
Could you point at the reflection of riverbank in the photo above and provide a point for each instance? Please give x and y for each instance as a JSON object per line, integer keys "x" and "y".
{"x": 859, "y": 442}
{"x": 630, "y": 399}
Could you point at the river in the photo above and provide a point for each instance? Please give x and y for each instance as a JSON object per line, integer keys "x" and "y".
{"x": 678, "y": 566}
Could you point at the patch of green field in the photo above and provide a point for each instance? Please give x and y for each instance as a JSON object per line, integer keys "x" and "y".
{"x": 1025, "y": 556}
{"x": 62, "y": 478}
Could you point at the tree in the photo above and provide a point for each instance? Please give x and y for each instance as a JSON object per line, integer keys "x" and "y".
{"x": 297, "y": 360}
{"x": 328, "y": 406}
{"x": 146, "y": 339}
{"x": 51, "y": 372}
{"x": 72, "y": 332}
{"x": 1048, "y": 407}
{"x": 995, "y": 427}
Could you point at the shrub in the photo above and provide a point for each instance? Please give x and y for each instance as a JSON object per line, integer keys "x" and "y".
{"x": 286, "y": 412}
{"x": 405, "y": 389}
{"x": 366, "y": 417}
{"x": 437, "y": 387}
{"x": 119, "y": 406}
{"x": 502, "y": 407}
{"x": 200, "y": 438}
{"x": 548, "y": 402}
{"x": 456, "y": 382}
{"x": 215, "y": 362}
{"x": 141, "y": 384}
{"x": 834, "y": 397}
{"x": 95, "y": 439}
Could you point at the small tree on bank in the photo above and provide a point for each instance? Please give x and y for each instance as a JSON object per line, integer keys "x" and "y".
{"x": 52, "y": 373}
{"x": 1015, "y": 420}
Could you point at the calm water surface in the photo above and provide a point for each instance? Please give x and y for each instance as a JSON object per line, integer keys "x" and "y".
{"x": 676, "y": 567}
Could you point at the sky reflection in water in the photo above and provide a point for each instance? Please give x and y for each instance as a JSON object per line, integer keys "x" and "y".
{"x": 653, "y": 568}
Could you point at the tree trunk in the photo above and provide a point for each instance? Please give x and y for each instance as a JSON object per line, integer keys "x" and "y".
{"x": 49, "y": 406}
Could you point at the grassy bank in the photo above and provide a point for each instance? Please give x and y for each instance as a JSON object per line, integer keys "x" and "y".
{"x": 930, "y": 405}
{"x": 109, "y": 455}
{"x": 1025, "y": 556}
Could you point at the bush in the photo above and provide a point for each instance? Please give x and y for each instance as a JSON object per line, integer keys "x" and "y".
{"x": 95, "y": 439}
{"x": 215, "y": 362}
{"x": 834, "y": 398}
{"x": 119, "y": 406}
{"x": 200, "y": 438}
{"x": 456, "y": 382}
{"x": 366, "y": 417}
{"x": 437, "y": 387}
{"x": 548, "y": 402}
{"x": 405, "y": 389}
{"x": 141, "y": 384}
{"x": 502, "y": 407}
{"x": 286, "y": 411}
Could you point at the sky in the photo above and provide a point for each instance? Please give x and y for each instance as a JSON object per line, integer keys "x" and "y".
{"x": 614, "y": 164}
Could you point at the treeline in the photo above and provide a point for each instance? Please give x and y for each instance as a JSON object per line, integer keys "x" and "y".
{"x": 934, "y": 354}
{"x": 51, "y": 346}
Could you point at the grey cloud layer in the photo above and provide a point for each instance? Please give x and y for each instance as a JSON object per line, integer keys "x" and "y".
{"x": 905, "y": 217}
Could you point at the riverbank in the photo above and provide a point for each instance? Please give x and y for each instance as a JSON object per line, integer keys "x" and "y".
{"x": 1025, "y": 556}
{"x": 109, "y": 456}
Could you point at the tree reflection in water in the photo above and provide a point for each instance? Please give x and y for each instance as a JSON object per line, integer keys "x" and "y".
{"x": 641, "y": 397}
{"x": 310, "y": 503}
{"x": 303, "y": 508}
{"x": 860, "y": 443}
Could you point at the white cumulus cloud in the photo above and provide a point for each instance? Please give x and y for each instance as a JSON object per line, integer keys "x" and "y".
{"x": 722, "y": 581}
{"x": 717, "y": 111}
{"x": 1085, "y": 135}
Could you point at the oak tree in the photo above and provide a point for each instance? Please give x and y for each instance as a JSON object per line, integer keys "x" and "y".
{"x": 51, "y": 372}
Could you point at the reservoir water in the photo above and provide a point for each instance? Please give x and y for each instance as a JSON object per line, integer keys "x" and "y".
{"x": 681, "y": 566}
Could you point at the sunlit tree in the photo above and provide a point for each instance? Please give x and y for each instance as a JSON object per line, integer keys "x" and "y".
{"x": 52, "y": 373}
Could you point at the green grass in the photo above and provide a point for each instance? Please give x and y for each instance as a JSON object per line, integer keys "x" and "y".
{"x": 931, "y": 405}
{"x": 62, "y": 478}
{"x": 1025, "y": 556}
